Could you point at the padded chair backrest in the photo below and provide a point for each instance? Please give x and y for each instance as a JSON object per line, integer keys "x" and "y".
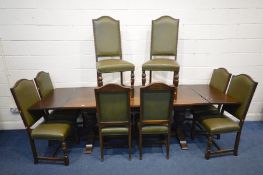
{"x": 44, "y": 83}
{"x": 156, "y": 101}
{"x": 241, "y": 88}
{"x": 25, "y": 95}
{"x": 220, "y": 79}
{"x": 113, "y": 103}
{"x": 107, "y": 37}
{"x": 164, "y": 36}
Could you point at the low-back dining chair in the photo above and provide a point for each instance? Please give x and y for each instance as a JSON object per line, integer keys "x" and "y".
{"x": 25, "y": 95}
{"x": 156, "y": 112}
{"x": 241, "y": 88}
{"x": 164, "y": 39}
{"x": 113, "y": 113}
{"x": 107, "y": 39}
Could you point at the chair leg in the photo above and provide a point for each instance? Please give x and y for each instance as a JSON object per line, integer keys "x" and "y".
{"x": 99, "y": 79}
{"x": 64, "y": 148}
{"x": 209, "y": 144}
{"x": 132, "y": 83}
{"x": 150, "y": 80}
{"x": 33, "y": 148}
{"x": 121, "y": 78}
{"x": 237, "y": 143}
{"x": 176, "y": 82}
{"x": 130, "y": 145}
{"x": 140, "y": 144}
{"x": 168, "y": 147}
{"x": 193, "y": 128}
{"x": 143, "y": 77}
{"x": 101, "y": 147}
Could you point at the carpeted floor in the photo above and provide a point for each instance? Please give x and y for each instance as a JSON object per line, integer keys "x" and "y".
{"x": 16, "y": 157}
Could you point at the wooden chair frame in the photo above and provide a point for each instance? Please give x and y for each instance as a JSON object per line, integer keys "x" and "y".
{"x": 156, "y": 87}
{"x": 113, "y": 88}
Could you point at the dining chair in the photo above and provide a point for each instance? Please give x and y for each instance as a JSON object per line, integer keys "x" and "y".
{"x": 156, "y": 106}
{"x": 220, "y": 81}
{"x": 241, "y": 88}
{"x": 25, "y": 95}
{"x": 107, "y": 39}
{"x": 45, "y": 87}
{"x": 164, "y": 38}
{"x": 113, "y": 113}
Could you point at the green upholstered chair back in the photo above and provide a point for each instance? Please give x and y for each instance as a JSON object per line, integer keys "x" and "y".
{"x": 113, "y": 103}
{"x": 220, "y": 79}
{"x": 25, "y": 95}
{"x": 44, "y": 83}
{"x": 107, "y": 37}
{"x": 241, "y": 88}
{"x": 156, "y": 101}
{"x": 164, "y": 36}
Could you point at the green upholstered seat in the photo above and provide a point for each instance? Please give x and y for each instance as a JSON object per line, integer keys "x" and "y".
{"x": 26, "y": 95}
{"x": 115, "y": 131}
{"x": 152, "y": 129}
{"x": 113, "y": 113}
{"x": 114, "y": 65}
{"x": 161, "y": 64}
{"x": 218, "y": 125}
{"x": 107, "y": 40}
{"x": 51, "y": 131}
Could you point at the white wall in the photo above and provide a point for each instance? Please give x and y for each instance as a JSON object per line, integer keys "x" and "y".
{"x": 56, "y": 36}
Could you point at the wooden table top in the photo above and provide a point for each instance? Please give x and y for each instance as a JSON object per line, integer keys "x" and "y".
{"x": 84, "y": 98}
{"x": 213, "y": 95}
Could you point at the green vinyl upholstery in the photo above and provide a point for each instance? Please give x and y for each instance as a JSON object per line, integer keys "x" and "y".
{"x": 164, "y": 36}
{"x": 113, "y": 106}
{"x": 217, "y": 124}
{"x": 161, "y": 64}
{"x": 241, "y": 88}
{"x": 44, "y": 83}
{"x": 220, "y": 79}
{"x": 155, "y": 129}
{"x": 114, "y": 65}
{"x": 26, "y": 95}
{"x": 51, "y": 131}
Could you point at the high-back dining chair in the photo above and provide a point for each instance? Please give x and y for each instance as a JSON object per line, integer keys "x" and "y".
{"x": 164, "y": 40}
{"x": 241, "y": 88}
{"x": 25, "y": 95}
{"x": 155, "y": 112}
{"x": 107, "y": 39}
{"x": 113, "y": 113}
{"x": 219, "y": 80}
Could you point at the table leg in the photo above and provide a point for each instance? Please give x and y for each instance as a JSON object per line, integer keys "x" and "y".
{"x": 89, "y": 119}
{"x": 179, "y": 117}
